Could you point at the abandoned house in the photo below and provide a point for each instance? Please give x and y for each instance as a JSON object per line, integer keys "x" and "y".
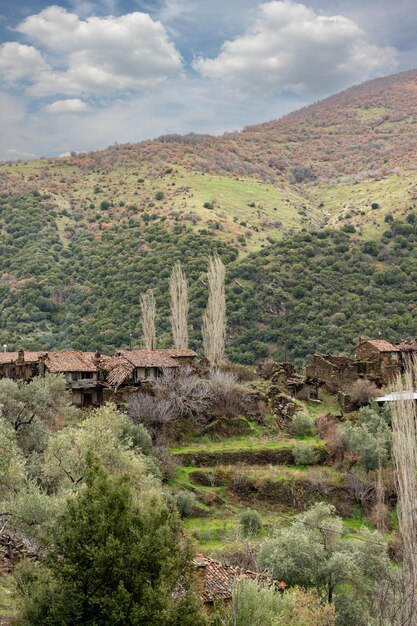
{"x": 20, "y": 365}
{"x": 214, "y": 580}
{"x": 376, "y": 360}
{"x": 382, "y": 353}
{"x": 82, "y": 373}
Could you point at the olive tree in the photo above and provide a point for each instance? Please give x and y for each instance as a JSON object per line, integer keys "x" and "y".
{"x": 313, "y": 552}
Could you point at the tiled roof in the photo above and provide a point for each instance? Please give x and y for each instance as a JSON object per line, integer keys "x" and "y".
{"x": 71, "y": 361}
{"x": 10, "y": 357}
{"x": 219, "y": 578}
{"x": 184, "y": 352}
{"x": 118, "y": 368}
{"x": 407, "y": 346}
{"x": 382, "y": 345}
{"x": 148, "y": 358}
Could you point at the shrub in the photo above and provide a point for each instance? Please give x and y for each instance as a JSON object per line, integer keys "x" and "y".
{"x": 250, "y": 522}
{"x": 185, "y": 502}
{"x": 243, "y": 373}
{"x": 362, "y": 391}
{"x": 302, "y": 425}
{"x": 159, "y": 195}
{"x": 305, "y": 454}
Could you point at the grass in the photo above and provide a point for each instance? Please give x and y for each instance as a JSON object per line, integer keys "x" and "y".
{"x": 243, "y": 443}
{"x": 343, "y": 199}
{"x": 370, "y": 114}
{"x": 7, "y": 601}
{"x": 329, "y": 405}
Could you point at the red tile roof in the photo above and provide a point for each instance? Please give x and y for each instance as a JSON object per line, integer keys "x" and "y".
{"x": 382, "y": 345}
{"x": 219, "y": 578}
{"x": 183, "y": 352}
{"x": 148, "y": 358}
{"x": 10, "y": 357}
{"x": 71, "y": 361}
{"x": 118, "y": 368}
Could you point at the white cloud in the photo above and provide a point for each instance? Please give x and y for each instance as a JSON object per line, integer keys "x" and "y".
{"x": 100, "y": 55}
{"x": 290, "y": 47}
{"x": 18, "y": 62}
{"x": 73, "y": 105}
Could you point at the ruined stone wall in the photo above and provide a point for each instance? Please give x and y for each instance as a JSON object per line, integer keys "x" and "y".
{"x": 337, "y": 372}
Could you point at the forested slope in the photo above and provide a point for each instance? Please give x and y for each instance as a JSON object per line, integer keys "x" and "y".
{"x": 310, "y": 291}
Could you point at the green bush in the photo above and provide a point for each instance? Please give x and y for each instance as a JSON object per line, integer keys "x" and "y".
{"x": 185, "y": 502}
{"x": 250, "y": 522}
{"x": 305, "y": 454}
{"x": 302, "y": 425}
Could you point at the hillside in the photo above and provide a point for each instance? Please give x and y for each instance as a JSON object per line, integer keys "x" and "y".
{"x": 313, "y": 215}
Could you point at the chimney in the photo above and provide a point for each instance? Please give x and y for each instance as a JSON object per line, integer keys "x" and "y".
{"x": 42, "y": 359}
{"x": 20, "y": 356}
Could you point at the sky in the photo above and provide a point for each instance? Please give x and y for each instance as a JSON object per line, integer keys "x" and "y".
{"x": 83, "y": 74}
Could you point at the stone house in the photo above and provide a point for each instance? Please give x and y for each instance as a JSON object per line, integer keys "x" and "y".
{"x": 384, "y": 355}
{"x": 92, "y": 377}
{"x": 82, "y": 372}
{"x": 20, "y": 365}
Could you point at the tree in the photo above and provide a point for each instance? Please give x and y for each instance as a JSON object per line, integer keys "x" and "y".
{"x": 117, "y": 442}
{"x": 12, "y": 467}
{"x": 148, "y": 308}
{"x": 178, "y": 288}
{"x": 112, "y": 561}
{"x": 256, "y": 604}
{"x": 404, "y": 437}
{"x": 371, "y": 439}
{"x": 214, "y": 319}
{"x": 31, "y": 409}
{"x": 313, "y": 553}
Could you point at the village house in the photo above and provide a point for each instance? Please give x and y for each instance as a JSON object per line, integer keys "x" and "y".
{"x": 92, "y": 377}
{"x": 214, "y": 580}
{"x": 133, "y": 368}
{"x": 376, "y": 360}
{"x": 20, "y": 365}
{"x": 82, "y": 372}
{"x": 384, "y": 354}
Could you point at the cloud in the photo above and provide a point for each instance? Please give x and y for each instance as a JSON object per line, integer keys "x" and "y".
{"x": 74, "y": 105}
{"x": 18, "y": 61}
{"x": 100, "y": 55}
{"x": 291, "y": 48}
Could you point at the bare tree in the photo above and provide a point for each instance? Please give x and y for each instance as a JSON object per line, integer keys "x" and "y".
{"x": 148, "y": 309}
{"x": 404, "y": 436}
{"x": 214, "y": 319}
{"x": 178, "y": 289}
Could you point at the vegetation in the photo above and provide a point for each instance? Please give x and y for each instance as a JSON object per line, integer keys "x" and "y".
{"x": 312, "y": 292}
{"x": 111, "y": 561}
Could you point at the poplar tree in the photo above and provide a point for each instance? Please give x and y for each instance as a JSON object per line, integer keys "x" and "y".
{"x": 214, "y": 319}
{"x": 148, "y": 309}
{"x": 178, "y": 289}
{"x": 404, "y": 439}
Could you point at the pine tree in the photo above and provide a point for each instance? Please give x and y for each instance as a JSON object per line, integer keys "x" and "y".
{"x": 113, "y": 562}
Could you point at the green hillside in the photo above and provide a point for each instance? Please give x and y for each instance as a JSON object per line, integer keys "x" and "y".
{"x": 313, "y": 215}
{"x": 64, "y": 285}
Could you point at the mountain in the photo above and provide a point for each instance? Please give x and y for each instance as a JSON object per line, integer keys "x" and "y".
{"x": 313, "y": 215}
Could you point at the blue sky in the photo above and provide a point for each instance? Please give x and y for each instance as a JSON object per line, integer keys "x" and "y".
{"x": 81, "y": 74}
